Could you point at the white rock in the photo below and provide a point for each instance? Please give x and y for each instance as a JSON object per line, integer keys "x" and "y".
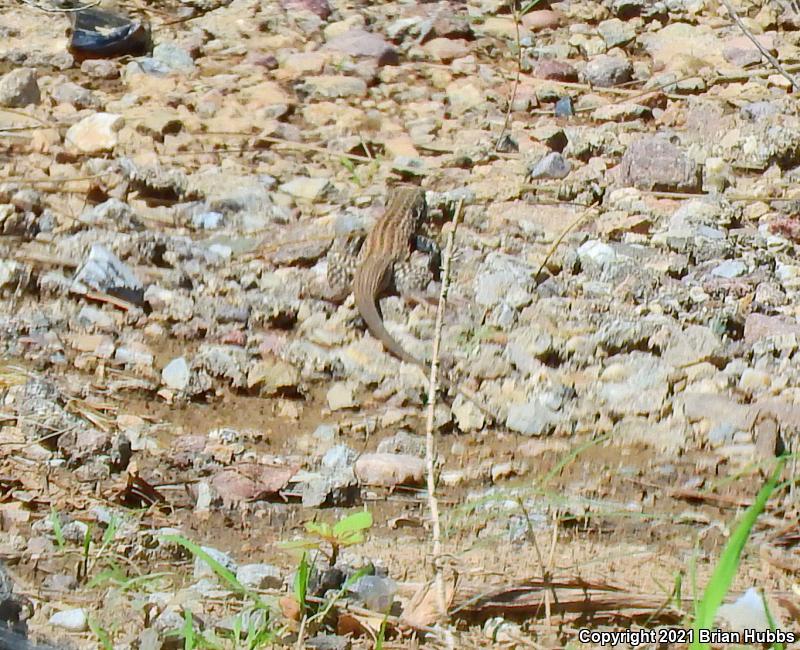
{"x": 729, "y": 269}
{"x": 103, "y": 270}
{"x": 136, "y": 354}
{"x": 204, "y": 497}
{"x": 340, "y": 396}
{"x": 754, "y": 381}
{"x": 95, "y": 133}
{"x": 9, "y": 271}
{"x": 598, "y": 252}
{"x": 306, "y": 188}
{"x": 390, "y": 469}
{"x": 203, "y": 570}
{"x": 746, "y": 613}
{"x": 259, "y": 576}
{"x": 73, "y": 620}
{"x": 19, "y": 88}
{"x": 175, "y": 374}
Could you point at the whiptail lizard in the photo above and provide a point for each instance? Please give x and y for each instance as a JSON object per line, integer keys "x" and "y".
{"x": 384, "y": 258}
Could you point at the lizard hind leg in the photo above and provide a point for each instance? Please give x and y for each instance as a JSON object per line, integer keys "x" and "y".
{"x": 411, "y": 279}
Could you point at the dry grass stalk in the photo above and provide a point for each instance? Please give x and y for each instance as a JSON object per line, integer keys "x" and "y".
{"x": 430, "y": 447}
{"x": 775, "y": 63}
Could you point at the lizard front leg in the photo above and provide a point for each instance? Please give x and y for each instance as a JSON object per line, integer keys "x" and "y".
{"x": 428, "y": 245}
{"x": 342, "y": 261}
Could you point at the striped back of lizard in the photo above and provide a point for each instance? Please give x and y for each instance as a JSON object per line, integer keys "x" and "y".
{"x": 388, "y": 245}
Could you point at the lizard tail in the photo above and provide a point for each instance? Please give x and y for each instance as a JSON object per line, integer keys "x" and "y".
{"x": 369, "y": 312}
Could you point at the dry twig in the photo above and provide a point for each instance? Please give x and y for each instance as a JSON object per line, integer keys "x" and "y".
{"x": 60, "y": 10}
{"x": 775, "y": 63}
{"x": 430, "y": 447}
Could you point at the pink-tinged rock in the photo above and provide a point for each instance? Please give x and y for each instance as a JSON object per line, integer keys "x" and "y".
{"x": 541, "y": 19}
{"x": 740, "y": 50}
{"x": 319, "y": 7}
{"x": 83, "y": 443}
{"x": 654, "y": 163}
{"x": 95, "y": 133}
{"x": 184, "y": 449}
{"x": 400, "y": 145}
{"x": 453, "y": 26}
{"x": 234, "y": 337}
{"x": 305, "y": 62}
{"x": 267, "y": 94}
{"x": 251, "y": 481}
{"x": 555, "y": 71}
{"x": 261, "y": 59}
{"x": 759, "y": 326}
{"x": 446, "y": 49}
{"x": 389, "y": 470}
{"x": 784, "y": 226}
{"x": 359, "y": 42}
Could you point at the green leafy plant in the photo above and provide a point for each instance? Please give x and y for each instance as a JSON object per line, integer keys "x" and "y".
{"x": 329, "y": 540}
{"x": 350, "y": 166}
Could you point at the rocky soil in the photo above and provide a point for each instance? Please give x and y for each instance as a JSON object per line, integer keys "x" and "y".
{"x": 624, "y": 297}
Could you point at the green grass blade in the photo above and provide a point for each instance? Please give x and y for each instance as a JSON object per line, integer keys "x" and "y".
{"x": 693, "y": 582}
{"x": 87, "y": 543}
{"x": 569, "y": 457}
{"x": 188, "y": 631}
{"x": 301, "y": 582}
{"x": 223, "y": 573}
{"x": 728, "y": 563}
{"x": 58, "y": 532}
{"x": 772, "y": 625}
{"x": 323, "y": 612}
{"x": 528, "y": 6}
{"x": 102, "y": 635}
{"x": 381, "y": 634}
{"x": 111, "y": 531}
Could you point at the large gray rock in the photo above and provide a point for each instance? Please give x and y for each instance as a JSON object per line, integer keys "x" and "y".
{"x": 635, "y": 384}
{"x": 102, "y": 270}
{"x": 606, "y": 71}
{"x": 19, "y": 88}
{"x": 654, "y": 163}
{"x": 359, "y": 42}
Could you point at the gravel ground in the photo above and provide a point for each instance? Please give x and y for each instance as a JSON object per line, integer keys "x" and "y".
{"x": 624, "y": 297}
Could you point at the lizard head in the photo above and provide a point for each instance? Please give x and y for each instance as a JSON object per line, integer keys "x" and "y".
{"x": 408, "y": 199}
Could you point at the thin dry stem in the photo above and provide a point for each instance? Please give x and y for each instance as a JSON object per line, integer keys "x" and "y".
{"x": 430, "y": 447}
{"x": 560, "y": 238}
{"x": 516, "y": 77}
